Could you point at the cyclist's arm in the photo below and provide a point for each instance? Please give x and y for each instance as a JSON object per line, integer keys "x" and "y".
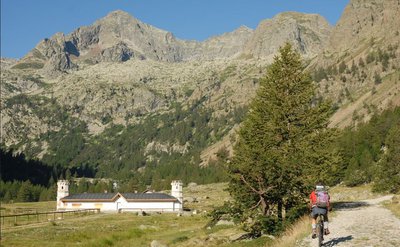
{"x": 311, "y": 201}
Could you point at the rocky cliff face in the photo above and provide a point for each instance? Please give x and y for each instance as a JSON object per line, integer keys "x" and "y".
{"x": 363, "y": 20}
{"x": 361, "y": 60}
{"x": 228, "y": 45}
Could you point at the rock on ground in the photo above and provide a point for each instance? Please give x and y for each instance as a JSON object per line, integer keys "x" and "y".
{"x": 156, "y": 243}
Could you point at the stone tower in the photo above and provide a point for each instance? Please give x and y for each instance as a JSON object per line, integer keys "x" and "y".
{"x": 176, "y": 190}
{"x": 62, "y": 191}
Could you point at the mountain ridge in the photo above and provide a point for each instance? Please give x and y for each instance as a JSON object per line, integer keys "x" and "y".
{"x": 119, "y": 37}
{"x": 100, "y": 77}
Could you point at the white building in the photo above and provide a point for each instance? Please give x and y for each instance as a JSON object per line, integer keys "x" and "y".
{"x": 119, "y": 202}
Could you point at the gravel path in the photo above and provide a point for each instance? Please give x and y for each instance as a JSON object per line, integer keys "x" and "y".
{"x": 365, "y": 223}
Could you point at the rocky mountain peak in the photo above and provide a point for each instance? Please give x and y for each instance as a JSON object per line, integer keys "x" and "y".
{"x": 243, "y": 28}
{"x": 363, "y": 20}
{"x": 118, "y": 14}
{"x": 121, "y": 21}
{"x": 308, "y": 33}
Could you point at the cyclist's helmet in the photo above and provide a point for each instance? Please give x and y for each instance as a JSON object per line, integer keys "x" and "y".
{"x": 320, "y": 186}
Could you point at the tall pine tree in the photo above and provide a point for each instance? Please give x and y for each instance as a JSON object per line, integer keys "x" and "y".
{"x": 284, "y": 147}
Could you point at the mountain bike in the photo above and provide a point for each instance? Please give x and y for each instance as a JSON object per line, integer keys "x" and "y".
{"x": 320, "y": 229}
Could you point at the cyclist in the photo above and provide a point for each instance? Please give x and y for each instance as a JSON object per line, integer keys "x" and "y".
{"x": 319, "y": 204}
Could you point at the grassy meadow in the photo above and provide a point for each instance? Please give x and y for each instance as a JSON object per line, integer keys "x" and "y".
{"x": 129, "y": 229}
{"x": 27, "y": 207}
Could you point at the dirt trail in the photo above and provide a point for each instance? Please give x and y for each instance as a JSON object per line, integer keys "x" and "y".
{"x": 364, "y": 223}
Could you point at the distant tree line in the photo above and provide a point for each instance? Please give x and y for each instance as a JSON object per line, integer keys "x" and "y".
{"x": 371, "y": 152}
{"x": 25, "y": 180}
{"x": 357, "y": 68}
{"x": 17, "y": 167}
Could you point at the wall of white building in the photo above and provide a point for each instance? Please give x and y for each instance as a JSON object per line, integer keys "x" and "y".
{"x": 121, "y": 205}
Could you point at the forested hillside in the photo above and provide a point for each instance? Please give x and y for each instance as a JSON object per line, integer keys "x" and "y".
{"x": 371, "y": 152}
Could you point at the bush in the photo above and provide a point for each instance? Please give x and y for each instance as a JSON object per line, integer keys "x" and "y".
{"x": 28, "y": 66}
{"x": 295, "y": 213}
{"x": 377, "y": 79}
{"x": 266, "y": 225}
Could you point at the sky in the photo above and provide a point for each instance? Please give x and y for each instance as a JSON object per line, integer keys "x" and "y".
{"x": 24, "y": 23}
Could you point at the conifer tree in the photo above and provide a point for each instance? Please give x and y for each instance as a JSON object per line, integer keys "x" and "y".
{"x": 389, "y": 175}
{"x": 25, "y": 192}
{"x": 284, "y": 146}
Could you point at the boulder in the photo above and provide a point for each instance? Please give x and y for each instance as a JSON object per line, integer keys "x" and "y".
{"x": 225, "y": 222}
{"x": 156, "y": 243}
{"x": 191, "y": 185}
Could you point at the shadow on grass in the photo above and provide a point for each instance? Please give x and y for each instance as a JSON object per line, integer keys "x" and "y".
{"x": 348, "y": 205}
{"x": 335, "y": 241}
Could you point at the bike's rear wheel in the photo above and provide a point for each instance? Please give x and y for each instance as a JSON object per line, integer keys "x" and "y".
{"x": 320, "y": 231}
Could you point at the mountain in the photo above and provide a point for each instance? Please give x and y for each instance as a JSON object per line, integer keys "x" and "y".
{"x": 119, "y": 37}
{"x": 308, "y": 33}
{"x": 121, "y": 95}
{"x": 227, "y": 45}
{"x": 360, "y": 63}
{"x": 364, "y": 20}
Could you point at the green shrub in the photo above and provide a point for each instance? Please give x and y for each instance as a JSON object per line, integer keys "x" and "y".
{"x": 31, "y": 65}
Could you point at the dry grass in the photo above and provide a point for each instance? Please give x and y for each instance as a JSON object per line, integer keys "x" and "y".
{"x": 394, "y": 205}
{"x": 207, "y": 197}
{"x": 27, "y": 207}
{"x": 294, "y": 234}
{"x": 343, "y": 193}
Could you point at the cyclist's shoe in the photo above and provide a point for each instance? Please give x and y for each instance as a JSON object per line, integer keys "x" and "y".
{"x": 314, "y": 233}
{"x": 327, "y": 231}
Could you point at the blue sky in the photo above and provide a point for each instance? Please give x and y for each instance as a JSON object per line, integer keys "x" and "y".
{"x": 24, "y": 23}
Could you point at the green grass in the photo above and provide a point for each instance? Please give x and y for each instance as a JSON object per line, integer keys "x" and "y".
{"x": 31, "y": 65}
{"x": 106, "y": 230}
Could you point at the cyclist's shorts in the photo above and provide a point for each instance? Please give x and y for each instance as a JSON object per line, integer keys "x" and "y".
{"x": 316, "y": 210}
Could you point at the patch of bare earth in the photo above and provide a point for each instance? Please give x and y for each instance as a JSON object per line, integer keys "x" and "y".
{"x": 363, "y": 223}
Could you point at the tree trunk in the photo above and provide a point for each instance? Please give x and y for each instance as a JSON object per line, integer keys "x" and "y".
{"x": 263, "y": 206}
{"x": 280, "y": 210}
